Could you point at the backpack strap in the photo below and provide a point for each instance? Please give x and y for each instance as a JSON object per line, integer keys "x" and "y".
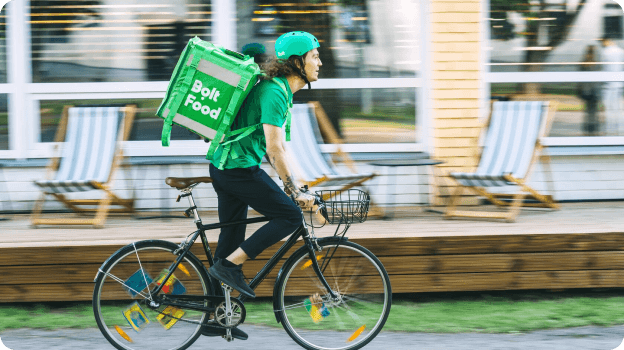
{"x": 288, "y": 111}
{"x": 225, "y": 123}
{"x": 229, "y": 146}
{"x": 177, "y": 102}
{"x": 231, "y": 112}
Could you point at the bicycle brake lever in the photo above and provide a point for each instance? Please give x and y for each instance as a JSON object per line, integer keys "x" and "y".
{"x": 319, "y": 207}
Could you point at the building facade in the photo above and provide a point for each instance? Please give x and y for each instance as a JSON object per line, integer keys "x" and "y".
{"x": 399, "y": 77}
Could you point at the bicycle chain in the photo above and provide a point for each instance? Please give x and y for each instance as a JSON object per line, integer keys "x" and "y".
{"x": 214, "y": 321}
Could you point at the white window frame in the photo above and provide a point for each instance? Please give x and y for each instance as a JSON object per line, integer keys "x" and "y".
{"x": 544, "y": 77}
{"x": 24, "y": 96}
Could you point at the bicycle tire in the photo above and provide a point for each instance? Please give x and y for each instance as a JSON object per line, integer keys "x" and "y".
{"x": 349, "y": 323}
{"x": 151, "y": 257}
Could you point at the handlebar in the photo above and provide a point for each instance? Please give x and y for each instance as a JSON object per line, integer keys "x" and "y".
{"x": 342, "y": 206}
{"x": 318, "y": 199}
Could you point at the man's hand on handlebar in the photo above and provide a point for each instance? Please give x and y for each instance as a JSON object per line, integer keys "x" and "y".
{"x": 304, "y": 199}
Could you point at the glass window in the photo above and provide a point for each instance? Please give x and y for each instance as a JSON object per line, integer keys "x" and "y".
{"x": 4, "y": 123}
{"x": 3, "y": 56}
{"x": 552, "y": 36}
{"x": 112, "y": 40}
{"x": 146, "y": 126}
{"x": 359, "y": 38}
{"x": 368, "y": 115}
{"x": 584, "y": 109}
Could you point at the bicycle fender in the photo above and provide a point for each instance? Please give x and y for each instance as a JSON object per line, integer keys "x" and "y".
{"x": 280, "y": 274}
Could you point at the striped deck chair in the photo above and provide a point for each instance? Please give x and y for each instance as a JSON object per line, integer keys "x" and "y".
{"x": 311, "y": 166}
{"x": 511, "y": 147}
{"x": 90, "y": 154}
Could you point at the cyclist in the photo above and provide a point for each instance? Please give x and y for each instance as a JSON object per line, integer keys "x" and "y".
{"x": 242, "y": 183}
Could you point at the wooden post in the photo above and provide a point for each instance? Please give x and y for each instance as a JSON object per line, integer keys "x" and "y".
{"x": 456, "y": 79}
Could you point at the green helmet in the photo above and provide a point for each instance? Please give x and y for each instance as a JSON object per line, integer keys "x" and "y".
{"x": 295, "y": 43}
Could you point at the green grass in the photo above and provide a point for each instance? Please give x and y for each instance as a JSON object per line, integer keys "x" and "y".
{"x": 438, "y": 313}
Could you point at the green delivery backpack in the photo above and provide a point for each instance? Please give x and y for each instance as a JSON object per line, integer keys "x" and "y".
{"x": 205, "y": 93}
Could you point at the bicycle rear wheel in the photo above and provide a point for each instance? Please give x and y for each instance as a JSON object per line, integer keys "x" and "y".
{"x": 121, "y": 301}
{"x": 316, "y": 321}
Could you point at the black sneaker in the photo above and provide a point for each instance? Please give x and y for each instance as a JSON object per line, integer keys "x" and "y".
{"x": 232, "y": 276}
{"x": 212, "y": 331}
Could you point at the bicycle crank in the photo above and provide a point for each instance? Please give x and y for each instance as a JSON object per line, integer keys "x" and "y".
{"x": 233, "y": 317}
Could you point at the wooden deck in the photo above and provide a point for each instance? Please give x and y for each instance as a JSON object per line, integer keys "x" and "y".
{"x": 580, "y": 246}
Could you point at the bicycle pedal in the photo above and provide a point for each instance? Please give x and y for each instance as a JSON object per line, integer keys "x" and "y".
{"x": 214, "y": 331}
{"x": 228, "y": 335}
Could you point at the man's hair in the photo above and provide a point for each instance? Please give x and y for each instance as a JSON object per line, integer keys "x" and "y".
{"x": 276, "y": 67}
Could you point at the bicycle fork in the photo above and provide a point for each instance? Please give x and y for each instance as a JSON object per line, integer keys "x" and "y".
{"x": 313, "y": 247}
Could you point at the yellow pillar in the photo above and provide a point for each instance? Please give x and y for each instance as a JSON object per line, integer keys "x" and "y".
{"x": 456, "y": 85}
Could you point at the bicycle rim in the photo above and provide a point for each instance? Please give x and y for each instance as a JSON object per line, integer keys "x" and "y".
{"x": 314, "y": 320}
{"x": 121, "y": 303}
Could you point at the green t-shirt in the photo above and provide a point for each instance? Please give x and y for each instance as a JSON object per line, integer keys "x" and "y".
{"x": 265, "y": 104}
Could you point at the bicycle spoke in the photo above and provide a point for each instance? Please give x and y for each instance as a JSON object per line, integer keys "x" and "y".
{"x": 123, "y": 283}
{"x": 340, "y": 321}
{"x": 353, "y": 298}
{"x": 350, "y": 270}
{"x": 129, "y": 321}
{"x": 141, "y": 267}
{"x": 350, "y": 312}
{"x": 293, "y": 306}
{"x": 354, "y": 277}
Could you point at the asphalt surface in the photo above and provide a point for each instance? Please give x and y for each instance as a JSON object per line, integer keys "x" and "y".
{"x": 265, "y": 338}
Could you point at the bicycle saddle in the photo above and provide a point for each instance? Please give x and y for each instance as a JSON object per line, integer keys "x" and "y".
{"x": 184, "y": 182}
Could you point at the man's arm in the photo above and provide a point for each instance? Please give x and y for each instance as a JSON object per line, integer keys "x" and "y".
{"x": 276, "y": 155}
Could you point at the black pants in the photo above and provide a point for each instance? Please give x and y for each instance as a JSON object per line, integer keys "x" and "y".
{"x": 238, "y": 189}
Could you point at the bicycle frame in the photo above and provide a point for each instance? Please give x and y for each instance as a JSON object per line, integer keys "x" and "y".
{"x": 186, "y": 245}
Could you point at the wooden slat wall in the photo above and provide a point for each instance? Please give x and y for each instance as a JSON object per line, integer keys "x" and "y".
{"x": 456, "y": 79}
{"x": 415, "y": 264}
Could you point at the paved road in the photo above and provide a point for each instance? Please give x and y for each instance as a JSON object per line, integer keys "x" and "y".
{"x": 263, "y": 338}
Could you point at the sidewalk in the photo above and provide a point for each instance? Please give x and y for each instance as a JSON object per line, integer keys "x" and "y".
{"x": 271, "y": 338}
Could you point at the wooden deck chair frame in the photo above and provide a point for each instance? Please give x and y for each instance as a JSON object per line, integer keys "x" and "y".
{"x": 102, "y": 206}
{"x": 330, "y": 134}
{"x": 512, "y": 201}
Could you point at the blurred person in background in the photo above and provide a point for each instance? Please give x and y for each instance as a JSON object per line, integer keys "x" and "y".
{"x": 612, "y": 57}
{"x": 590, "y": 92}
{"x": 257, "y": 51}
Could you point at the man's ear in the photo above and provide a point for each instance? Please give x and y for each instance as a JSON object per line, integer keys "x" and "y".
{"x": 297, "y": 63}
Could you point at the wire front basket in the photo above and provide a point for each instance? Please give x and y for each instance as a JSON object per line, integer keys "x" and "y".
{"x": 342, "y": 207}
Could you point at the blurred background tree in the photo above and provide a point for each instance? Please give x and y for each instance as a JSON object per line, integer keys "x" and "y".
{"x": 548, "y": 25}
{"x": 316, "y": 17}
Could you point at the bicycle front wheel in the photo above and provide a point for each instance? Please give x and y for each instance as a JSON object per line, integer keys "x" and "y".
{"x": 317, "y": 321}
{"x": 121, "y": 298}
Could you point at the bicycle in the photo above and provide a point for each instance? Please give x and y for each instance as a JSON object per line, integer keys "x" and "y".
{"x": 161, "y": 288}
